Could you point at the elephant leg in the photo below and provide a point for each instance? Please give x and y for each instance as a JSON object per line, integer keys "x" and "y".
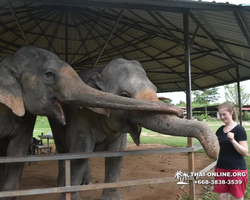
{"x": 77, "y": 171}
{"x": 78, "y": 143}
{"x": 17, "y": 147}
{"x": 113, "y": 168}
{"x": 87, "y": 177}
{"x": 61, "y": 166}
{"x": 3, "y": 152}
{"x": 59, "y": 133}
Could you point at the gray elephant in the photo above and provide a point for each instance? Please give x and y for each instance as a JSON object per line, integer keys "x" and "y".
{"x": 34, "y": 81}
{"x": 105, "y": 129}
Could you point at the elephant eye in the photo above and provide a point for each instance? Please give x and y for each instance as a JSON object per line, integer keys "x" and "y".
{"x": 125, "y": 94}
{"x": 50, "y": 76}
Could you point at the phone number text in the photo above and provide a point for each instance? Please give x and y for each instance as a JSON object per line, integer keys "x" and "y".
{"x": 218, "y": 182}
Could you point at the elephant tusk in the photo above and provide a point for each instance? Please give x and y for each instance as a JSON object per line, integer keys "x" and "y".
{"x": 61, "y": 109}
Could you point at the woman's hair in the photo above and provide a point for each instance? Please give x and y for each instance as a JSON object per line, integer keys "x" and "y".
{"x": 230, "y": 108}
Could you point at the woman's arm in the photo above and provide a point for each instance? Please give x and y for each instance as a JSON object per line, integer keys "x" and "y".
{"x": 241, "y": 146}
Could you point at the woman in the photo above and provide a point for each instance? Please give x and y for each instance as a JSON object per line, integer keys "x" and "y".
{"x": 231, "y": 166}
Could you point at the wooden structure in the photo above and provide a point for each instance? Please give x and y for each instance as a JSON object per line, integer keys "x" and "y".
{"x": 67, "y": 157}
{"x": 44, "y": 148}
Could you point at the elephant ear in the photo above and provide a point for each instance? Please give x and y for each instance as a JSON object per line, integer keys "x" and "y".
{"x": 96, "y": 81}
{"x": 10, "y": 89}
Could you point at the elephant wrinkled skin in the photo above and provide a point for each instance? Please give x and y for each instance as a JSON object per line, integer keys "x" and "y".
{"x": 105, "y": 129}
{"x": 34, "y": 81}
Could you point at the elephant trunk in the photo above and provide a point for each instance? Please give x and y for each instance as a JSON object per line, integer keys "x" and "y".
{"x": 172, "y": 125}
{"x": 76, "y": 91}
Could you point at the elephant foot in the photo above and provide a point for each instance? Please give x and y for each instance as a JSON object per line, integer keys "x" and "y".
{"x": 60, "y": 183}
{"x": 87, "y": 180}
{"x": 74, "y": 196}
{"x": 111, "y": 194}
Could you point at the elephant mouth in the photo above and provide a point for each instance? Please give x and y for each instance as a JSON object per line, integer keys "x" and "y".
{"x": 135, "y": 133}
{"x": 59, "y": 112}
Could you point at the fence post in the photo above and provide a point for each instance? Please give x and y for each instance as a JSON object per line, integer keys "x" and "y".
{"x": 68, "y": 178}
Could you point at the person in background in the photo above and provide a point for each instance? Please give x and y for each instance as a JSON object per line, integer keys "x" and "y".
{"x": 231, "y": 162}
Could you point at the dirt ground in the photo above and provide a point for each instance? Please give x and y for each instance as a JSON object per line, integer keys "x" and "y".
{"x": 43, "y": 175}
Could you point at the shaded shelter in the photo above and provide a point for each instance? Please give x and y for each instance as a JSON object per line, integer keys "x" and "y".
{"x": 182, "y": 45}
{"x": 91, "y": 33}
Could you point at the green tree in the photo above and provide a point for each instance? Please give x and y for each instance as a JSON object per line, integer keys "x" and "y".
{"x": 231, "y": 95}
{"x": 181, "y": 103}
{"x": 205, "y": 97}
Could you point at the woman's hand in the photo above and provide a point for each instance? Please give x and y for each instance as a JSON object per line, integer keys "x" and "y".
{"x": 230, "y": 135}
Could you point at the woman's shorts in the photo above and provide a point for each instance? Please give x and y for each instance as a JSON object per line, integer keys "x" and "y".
{"x": 232, "y": 181}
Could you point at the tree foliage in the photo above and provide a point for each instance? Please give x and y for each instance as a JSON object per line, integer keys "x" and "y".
{"x": 231, "y": 94}
{"x": 181, "y": 103}
{"x": 205, "y": 97}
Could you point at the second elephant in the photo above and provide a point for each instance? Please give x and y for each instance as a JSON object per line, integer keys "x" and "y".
{"x": 98, "y": 129}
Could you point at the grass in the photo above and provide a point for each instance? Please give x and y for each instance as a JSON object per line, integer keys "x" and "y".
{"x": 42, "y": 126}
{"x": 150, "y": 137}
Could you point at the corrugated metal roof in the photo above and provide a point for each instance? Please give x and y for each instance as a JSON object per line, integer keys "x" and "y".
{"x": 84, "y": 32}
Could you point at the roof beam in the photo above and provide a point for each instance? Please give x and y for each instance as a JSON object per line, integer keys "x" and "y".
{"x": 204, "y": 51}
{"x": 38, "y": 25}
{"x": 103, "y": 16}
{"x": 243, "y": 26}
{"x": 17, "y": 21}
{"x": 153, "y": 5}
{"x": 10, "y": 43}
{"x": 85, "y": 38}
{"x": 210, "y": 36}
{"x": 107, "y": 41}
{"x": 82, "y": 16}
{"x": 166, "y": 29}
{"x": 126, "y": 44}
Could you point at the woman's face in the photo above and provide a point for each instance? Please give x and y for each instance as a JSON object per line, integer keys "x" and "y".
{"x": 225, "y": 115}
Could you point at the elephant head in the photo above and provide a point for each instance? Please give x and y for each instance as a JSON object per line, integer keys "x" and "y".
{"x": 128, "y": 79}
{"x": 38, "y": 81}
{"x": 125, "y": 78}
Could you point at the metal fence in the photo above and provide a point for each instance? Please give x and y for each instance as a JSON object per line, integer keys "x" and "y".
{"x": 70, "y": 156}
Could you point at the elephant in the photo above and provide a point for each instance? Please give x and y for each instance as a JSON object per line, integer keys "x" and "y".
{"x": 93, "y": 129}
{"x": 34, "y": 81}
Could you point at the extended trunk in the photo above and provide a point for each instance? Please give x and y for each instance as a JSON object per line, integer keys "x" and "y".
{"x": 172, "y": 125}
{"x": 76, "y": 91}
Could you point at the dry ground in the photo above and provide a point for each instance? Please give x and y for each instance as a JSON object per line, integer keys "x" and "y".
{"x": 43, "y": 175}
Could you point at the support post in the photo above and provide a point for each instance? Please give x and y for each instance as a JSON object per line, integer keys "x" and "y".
{"x": 239, "y": 93}
{"x": 66, "y": 35}
{"x": 68, "y": 178}
{"x": 188, "y": 98}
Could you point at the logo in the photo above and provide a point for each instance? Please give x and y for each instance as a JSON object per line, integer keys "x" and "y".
{"x": 182, "y": 177}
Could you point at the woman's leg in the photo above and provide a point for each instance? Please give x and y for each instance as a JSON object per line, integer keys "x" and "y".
{"x": 224, "y": 196}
